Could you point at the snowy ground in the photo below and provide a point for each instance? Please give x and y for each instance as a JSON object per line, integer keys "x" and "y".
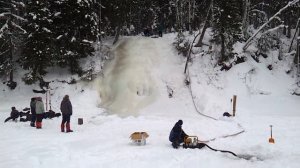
{"x": 136, "y": 97}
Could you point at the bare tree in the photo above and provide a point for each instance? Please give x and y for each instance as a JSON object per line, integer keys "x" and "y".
{"x": 205, "y": 26}
{"x": 273, "y": 17}
{"x": 245, "y": 23}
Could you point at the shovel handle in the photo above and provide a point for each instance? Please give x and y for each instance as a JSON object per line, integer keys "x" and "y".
{"x": 271, "y": 130}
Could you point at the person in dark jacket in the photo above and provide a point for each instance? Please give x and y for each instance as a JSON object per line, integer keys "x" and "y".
{"x": 177, "y": 134}
{"x": 14, "y": 114}
{"x": 33, "y": 112}
{"x": 66, "y": 110}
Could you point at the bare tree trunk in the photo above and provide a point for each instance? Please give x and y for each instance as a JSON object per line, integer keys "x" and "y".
{"x": 11, "y": 73}
{"x": 190, "y": 29}
{"x": 189, "y": 54}
{"x": 297, "y": 58}
{"x": 289, "y": 28}
{"x": 178, "y": 18}
{"x": 245, "y": 23}
{"x": 298, "y": 53}
{"x": 297, "y": 27}
{"x": 99, "y": 24}
{"x": 223, "y": 56}
{"x": 261, "y": 27}
{"x": 205, "y": 26}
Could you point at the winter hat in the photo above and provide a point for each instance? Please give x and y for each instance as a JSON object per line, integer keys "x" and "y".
{"x": 180, "y": 122}
{"x": 66, "y": 97}
{"x": 13, "y": 108}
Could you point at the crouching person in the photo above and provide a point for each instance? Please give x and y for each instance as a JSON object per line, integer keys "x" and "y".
{"x": 39, "y": 110}
{"x": 66, "y": 110}
{"x": 177, "y": 134}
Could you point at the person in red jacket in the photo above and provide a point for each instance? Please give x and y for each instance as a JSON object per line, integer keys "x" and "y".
{"x": 66, "y": 110}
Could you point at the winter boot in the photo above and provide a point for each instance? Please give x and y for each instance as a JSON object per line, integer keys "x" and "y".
{"x": 62, "y": 127}
{"x": 38, "y": 125}
{"x": 32, "y": 124}
{"x": 175, "y": 145}
{"x": 68, "y": 127}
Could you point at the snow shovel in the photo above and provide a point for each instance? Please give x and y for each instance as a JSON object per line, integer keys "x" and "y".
{"x": 271, "y": 140}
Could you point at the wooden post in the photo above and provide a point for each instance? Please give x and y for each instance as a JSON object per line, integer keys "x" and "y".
{"x": 50, "y": 101}
{"x": 234, "y": 105}
{"x": 46, "y": 101}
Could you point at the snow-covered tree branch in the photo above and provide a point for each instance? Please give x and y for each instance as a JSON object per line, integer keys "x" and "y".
{"x": 273, "y": 17}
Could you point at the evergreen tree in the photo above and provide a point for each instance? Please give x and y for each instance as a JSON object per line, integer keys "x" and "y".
{"x": 75, "y": 30}
{"x": 11, "y": 32}
{"x": 39, "y": 45}
{"x": 226, "y": 25}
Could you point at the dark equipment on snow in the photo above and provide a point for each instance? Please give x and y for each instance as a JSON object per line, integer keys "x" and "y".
{"x": 226, "y": 114}
{"x": 193, "y": 142}
{"x": 80, "y": 121}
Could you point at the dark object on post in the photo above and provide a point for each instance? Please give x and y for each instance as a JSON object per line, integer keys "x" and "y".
{"x": 80, "y": 121}
{"x": 226, "y": 114}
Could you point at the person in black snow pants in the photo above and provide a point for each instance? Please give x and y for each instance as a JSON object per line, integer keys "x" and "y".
{"x": 177, "y": 134}
{"x": 14, "y": 114}
{"x": 66, "y": 110}
{"x": 33, "y": 112}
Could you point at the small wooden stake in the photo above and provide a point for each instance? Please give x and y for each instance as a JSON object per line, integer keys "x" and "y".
{"x": 46, "y": 101}
{"x": 234, "y": 105}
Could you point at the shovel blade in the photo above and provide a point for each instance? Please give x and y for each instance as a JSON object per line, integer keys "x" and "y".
{"x": 271, "y": 140}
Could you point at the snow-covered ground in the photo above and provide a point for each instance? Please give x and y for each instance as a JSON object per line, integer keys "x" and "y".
{"x": 136, "y": 96}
